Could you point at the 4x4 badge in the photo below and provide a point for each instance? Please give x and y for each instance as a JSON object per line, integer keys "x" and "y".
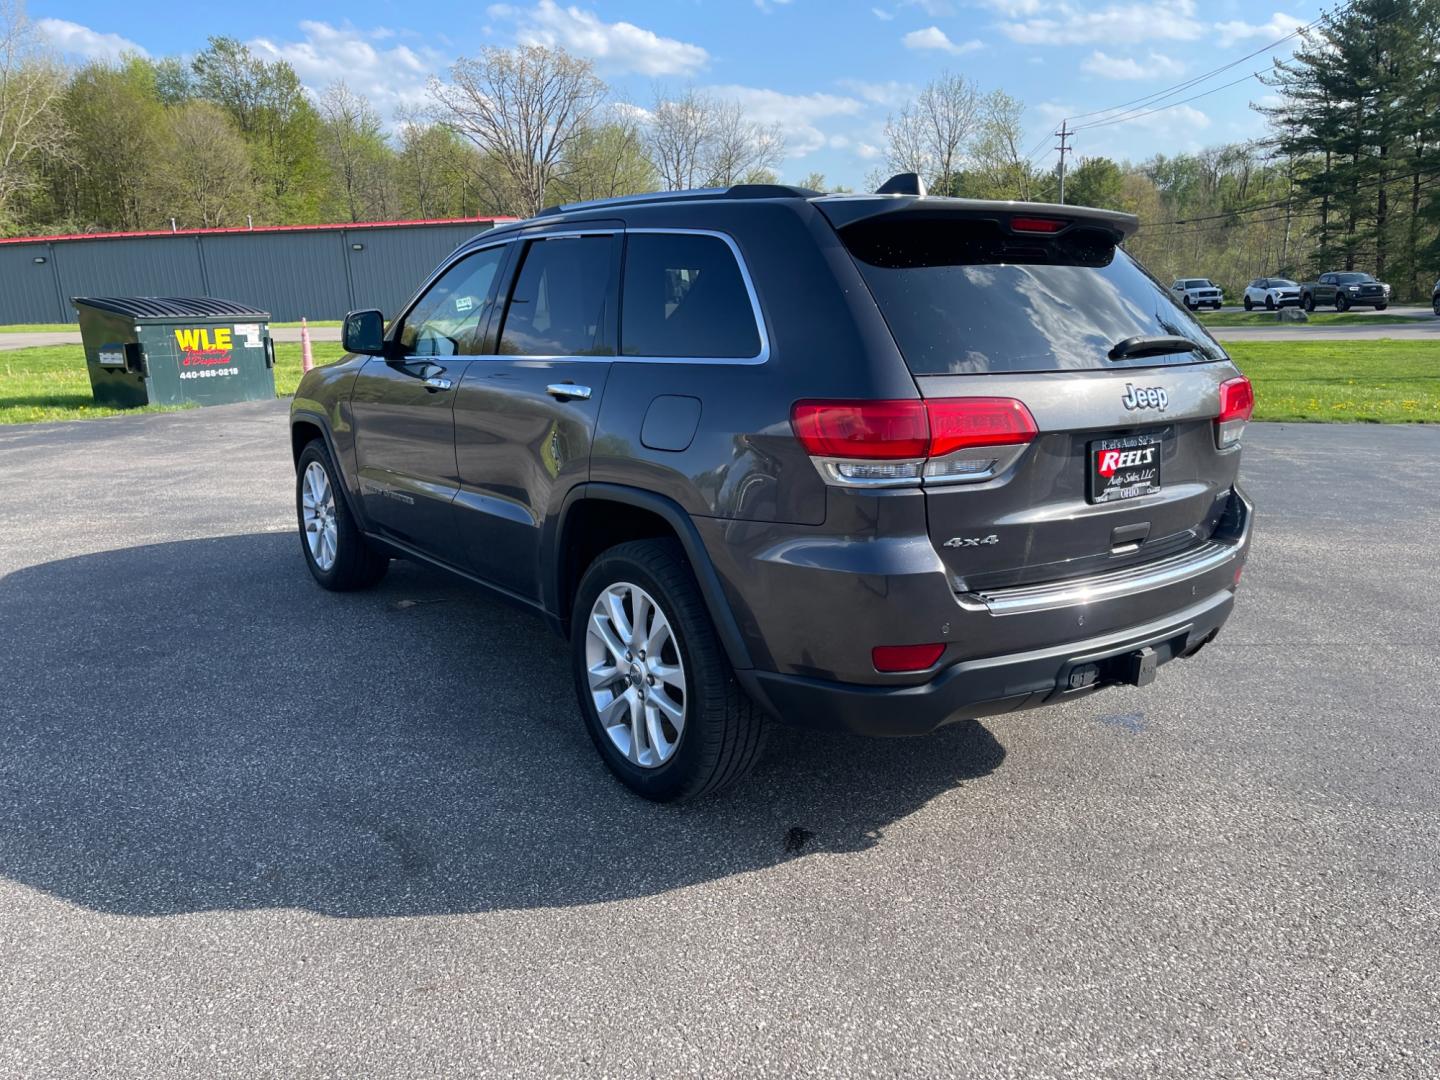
{"x": 1145, "y": 397}
{"x": 971, "y": 541}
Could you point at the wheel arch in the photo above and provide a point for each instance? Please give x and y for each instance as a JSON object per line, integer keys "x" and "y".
{"x": 588, "y": 523}
{"x": 305, "y": 428}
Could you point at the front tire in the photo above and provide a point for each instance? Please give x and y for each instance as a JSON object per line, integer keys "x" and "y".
{"x": 659, "y": 698}
{"x": 1249, "y": 304}
{"x": 1381, "y": 307}
{"x": 1308, "y": 303}
{"x": 1342, "y": 302}
{"x": 1269, "y": 303}
{"x": 335, "y": 549}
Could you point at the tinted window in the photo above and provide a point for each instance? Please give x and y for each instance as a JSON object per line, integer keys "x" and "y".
{"x": 557, "y": 307}
{"x": 1281, "y": 283}
{"x": 450, "y": 318}
{"x": 1352, "y": 279}
{"x": 684, "y": 296}
{"x": 961, "y": 297}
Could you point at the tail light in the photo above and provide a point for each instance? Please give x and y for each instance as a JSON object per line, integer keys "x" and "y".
{"x": 905, "y": 657}
{"x": 878, "y": 443}
{"x": 1036, "y": 225}
{"x": 1237, "y": 402}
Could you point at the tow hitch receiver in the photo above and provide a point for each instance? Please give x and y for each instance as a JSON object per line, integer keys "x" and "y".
{"x": 1140, "y": 667}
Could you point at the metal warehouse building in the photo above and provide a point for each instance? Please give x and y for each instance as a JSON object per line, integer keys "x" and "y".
{"x": 292, "y": 271}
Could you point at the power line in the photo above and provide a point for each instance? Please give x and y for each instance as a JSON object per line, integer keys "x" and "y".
{"x": 1125, "y": 118}
{"x": 1206, "y": 76}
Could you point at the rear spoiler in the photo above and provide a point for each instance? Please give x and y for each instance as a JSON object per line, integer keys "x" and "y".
{"x": 843, "y": 210}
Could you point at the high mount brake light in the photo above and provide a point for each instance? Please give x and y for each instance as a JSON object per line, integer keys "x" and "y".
{"x": 899, "y": 442}
{"x": 1237, "y": 404}
{"x": 1036, "y": 225}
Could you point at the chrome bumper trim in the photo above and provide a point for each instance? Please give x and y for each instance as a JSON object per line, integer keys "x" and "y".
{"x": 1028, "y": 599}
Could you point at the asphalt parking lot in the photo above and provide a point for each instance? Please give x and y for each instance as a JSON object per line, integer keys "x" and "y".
{"x": 251, "y": 828}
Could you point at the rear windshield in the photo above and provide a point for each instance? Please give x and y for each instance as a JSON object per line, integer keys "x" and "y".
{"x": 962, "y": 296}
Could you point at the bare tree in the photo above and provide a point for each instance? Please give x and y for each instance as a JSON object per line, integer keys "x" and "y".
{"x": 1004, "y": 171}
{"x": 206, "y": 181}
{"x": 739, "y": 149}
{"x": 610, "y": 159}
{"x": 697, "y": 140}
{"x": 930, "y": 136}
{"x": 31, "y": 85}
{"x": 523, "y": 108}
{"x": 355, "y": 144}
{"x": 679, "y": 131}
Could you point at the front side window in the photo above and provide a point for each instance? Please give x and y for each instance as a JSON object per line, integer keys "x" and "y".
{"x": 685, "y": 297}
{"x": 450, "y": 318}
{"x": 558, "y": 306}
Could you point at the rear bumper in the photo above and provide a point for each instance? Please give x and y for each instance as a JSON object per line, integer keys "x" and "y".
{"x": 991, "y": 686}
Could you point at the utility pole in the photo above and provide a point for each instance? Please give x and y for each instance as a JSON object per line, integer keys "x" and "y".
{"x": 1064, "y": 133}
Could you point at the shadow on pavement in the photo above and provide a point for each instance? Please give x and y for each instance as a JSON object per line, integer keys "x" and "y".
{"x": 196, "y": 725}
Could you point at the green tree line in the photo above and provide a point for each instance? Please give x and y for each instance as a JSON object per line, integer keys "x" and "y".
{"x": 1348, "y": 177}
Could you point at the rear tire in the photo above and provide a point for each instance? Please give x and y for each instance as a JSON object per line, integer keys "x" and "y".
{"x": 1308, "y": 302}
{"x": 339, "y": 556}
{"x": 1435, "y": 303}
{"x": 683, "y": 675}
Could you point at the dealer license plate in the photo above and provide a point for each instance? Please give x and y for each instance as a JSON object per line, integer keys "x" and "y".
{"x": 1125, "y": 468}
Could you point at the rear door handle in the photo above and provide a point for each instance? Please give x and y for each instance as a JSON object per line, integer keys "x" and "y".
{"x": 437, "y": 382}
{"x": 569, "y": 390}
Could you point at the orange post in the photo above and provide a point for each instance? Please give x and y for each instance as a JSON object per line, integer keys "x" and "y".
{"x": 307, "y": 358}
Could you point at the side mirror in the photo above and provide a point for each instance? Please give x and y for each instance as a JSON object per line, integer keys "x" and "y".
{"x": 364, "y": 332}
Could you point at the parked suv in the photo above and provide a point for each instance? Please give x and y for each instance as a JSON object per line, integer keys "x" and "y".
{"x": 1271, "y": 293}
{"x": 1198, "y": 292}
{"x": 871, "y": 463}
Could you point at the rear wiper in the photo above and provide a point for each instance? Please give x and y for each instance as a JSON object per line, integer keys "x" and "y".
{"x": 1155, "y": 345}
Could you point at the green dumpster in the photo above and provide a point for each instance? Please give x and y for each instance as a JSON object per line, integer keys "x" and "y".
{"x": 173, "y": 350}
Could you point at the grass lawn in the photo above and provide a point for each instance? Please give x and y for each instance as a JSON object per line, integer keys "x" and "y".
{"x": 1318, "y": 318}
{"x": 74, "y": 328}
{"x": 1328, "y": 381}
{"x": 50, "y": 382}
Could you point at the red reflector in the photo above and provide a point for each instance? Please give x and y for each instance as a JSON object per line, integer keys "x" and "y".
{"x": 905, "y": 657}
{"x": 1036, "y": 225}
{"x": 887, "y": 430}
{"x": 862, "y": 429}
{"x": 1237, "y": 399}
{"x": 959, "y": 423}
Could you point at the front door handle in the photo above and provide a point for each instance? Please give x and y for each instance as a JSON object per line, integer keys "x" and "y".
{"x": 569, "y": 390}
{"x": 438, "y": 382}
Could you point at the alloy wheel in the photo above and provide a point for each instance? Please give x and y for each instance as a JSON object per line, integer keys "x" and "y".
{"x": 317, "y": 512}
{"x": 636, "y": 674}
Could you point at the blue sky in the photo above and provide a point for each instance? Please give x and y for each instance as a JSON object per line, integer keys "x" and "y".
{"x": 827, "y": 71}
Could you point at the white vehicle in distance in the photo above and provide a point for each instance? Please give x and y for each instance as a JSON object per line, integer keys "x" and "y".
{"x": 1271, "y": 293}
{"x": 1197, "y": 292}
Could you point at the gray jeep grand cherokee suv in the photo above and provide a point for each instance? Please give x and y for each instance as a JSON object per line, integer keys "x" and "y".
{"x": 868, "y": 462}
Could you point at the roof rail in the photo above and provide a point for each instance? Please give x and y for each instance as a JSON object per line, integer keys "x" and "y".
{"x": 734, "y": 191}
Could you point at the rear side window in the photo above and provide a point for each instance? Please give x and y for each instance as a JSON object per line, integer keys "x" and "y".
{"x": 684, "y": 297}
{"x": 962, "y": 296}
{"x": 558, "y": 306}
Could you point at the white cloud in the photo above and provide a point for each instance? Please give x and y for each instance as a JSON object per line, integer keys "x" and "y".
{"x": 891, "y": 94}
{"x": 882, "y": 14}
{"x": 798, "y": 115}
{"x": 1014, "y": 9}
{"x": 1279, "y": 25}
{"x": 391, "y": 77}
{"x": 75, "y": 40}
{"x": 1154, "y": 66}
{"x": 767, "y": 6}
{"x": 1167, "y": 20}
{"x": 932, "y": 37}
{"x": 616, "y": 47}
{"x": 867, "y": 151}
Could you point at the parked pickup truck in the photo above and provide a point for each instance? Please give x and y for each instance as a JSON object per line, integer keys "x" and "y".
{"x": 1345, "y": 289}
